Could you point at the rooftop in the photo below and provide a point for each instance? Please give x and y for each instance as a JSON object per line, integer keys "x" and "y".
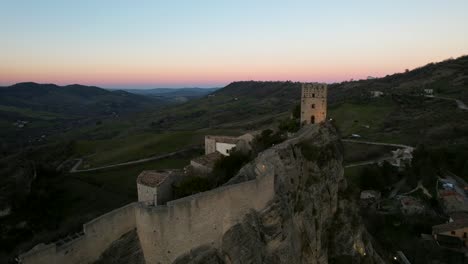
{"x": 457, "y": 216}
{"x": 224, "y": 139}
{"x": 209, "y": 159}
{"x": 450, "y": 226}
{"x": 152, "y": 178}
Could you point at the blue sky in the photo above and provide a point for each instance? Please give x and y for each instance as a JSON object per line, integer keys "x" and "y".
{"x": 139, "y": 44}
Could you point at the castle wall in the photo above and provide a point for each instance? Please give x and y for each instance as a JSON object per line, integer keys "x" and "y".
{"x": 164, "y": 191}
{"x": 210, "y": 145}
{"x": 166, "y": 232}
{"x": 146, "y": 194}
{"x": 98, "y": 236}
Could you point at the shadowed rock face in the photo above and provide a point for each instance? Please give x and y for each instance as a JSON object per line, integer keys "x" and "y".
{"x": 307, "y": 221}
{"x": 125, "y": 250}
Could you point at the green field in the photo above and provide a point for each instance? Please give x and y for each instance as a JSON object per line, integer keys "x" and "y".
{"x": 122, "y": 180}
{"x": 133, "y": 147}
{"x": 30, "y": 113}
{"x": 353, "y": 118}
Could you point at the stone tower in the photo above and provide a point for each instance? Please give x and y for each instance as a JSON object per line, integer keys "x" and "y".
{"x": 313, "y": 103}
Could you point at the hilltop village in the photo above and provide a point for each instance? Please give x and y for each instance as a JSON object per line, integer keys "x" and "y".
{"x": 157, "y": 217}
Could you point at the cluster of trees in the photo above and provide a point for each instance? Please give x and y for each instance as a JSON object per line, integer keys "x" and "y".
{"x": 291, "y": 124}
{"x": 378, "y": 177}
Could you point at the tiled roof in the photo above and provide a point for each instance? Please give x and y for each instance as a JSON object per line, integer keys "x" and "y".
{"x": 152, "y": 178}
{"x": 457, "y": 216}
{"x": 224, "y": 139}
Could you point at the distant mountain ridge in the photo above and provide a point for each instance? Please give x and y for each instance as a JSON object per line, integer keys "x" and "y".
{"x": 74, "y": 100}
{"x": 164, "y": 93}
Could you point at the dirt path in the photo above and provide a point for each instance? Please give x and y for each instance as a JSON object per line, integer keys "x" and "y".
{"x": 420, "y": 186}
{"x": 367, "y": 162}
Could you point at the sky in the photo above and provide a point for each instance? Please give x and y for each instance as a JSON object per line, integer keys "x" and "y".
{"x": 177, "y": 43}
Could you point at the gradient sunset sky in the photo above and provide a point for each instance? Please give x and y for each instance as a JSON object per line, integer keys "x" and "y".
{"x": 148, "y": 44}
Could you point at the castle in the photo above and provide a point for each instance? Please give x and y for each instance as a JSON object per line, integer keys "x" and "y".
{"x": 313, "y": 103}
{"x": 168, "y": 228}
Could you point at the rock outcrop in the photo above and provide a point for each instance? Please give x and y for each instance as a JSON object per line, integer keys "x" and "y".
{"x": 308, "y": 221}
{"x": 125, "y": 250}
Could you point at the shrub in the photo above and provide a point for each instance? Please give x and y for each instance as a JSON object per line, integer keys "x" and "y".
{"x": 192, "y": 186}
{"x": 265, "y": 140}
{"x": 225, "y": 168}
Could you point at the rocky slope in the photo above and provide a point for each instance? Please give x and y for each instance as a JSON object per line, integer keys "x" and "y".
{"x": 308, "y": 221}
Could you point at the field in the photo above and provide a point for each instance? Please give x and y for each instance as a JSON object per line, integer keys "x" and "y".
{"x": 362, "y": 119}
{"x": 132, "y": 147}
{"x": 122, "y": 180}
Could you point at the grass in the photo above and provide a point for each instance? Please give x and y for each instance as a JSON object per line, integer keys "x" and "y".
{"x": 353, "y": 175}
{"x": 132, "y": 147}
{"x": 355, "y": 152}
{"x": 352, "y": 118}
{"x": 122, "y": 180}
{"x": 30, "y": 113}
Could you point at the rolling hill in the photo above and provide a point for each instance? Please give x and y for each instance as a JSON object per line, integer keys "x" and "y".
{"x": 402, "y": 115}
{"x": 71, "y": 100}
{"x": 173, "y": 95}
{"x": 29, "y": 112}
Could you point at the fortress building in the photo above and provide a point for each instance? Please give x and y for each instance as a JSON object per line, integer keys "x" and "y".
{"x": 313, "y": 103}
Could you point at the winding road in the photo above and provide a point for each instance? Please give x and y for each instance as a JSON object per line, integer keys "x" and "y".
{"x": 373, "y": 161}
{"x": 460, "y": 104}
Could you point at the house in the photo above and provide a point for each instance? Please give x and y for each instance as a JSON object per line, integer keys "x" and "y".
{"x": 429, "y": 92}
{"x": 370, "y": 194}
{"x": 401, "y": 157}
{"x": 410, "y": 205}
{"x": 457, "y": 229}
{"x": 226, "y": 144}
{"x": 155, "y": 187}
{"x": 376, "y": 93}
{"x": 458, "y": 216}
{"x": 369, "y": 197}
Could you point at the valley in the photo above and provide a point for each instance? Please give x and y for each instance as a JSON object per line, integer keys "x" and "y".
{"x": 133, "y": 127}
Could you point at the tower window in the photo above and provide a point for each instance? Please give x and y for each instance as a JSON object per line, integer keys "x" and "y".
{"x": 313, "y": 95}
{"x": 313, "y": 106}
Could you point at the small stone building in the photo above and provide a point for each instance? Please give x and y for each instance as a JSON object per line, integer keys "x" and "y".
{"x": 226, "y": 144}
{"x": 370, "y": 194}
{"x": 457, "y": 229}
{"x": 410, "y": 205}
{"x": 313, "y": 103}
{"x": 429, "y": 92}
{"x": 377, "y": 93}
{"x": 155, "y": 187}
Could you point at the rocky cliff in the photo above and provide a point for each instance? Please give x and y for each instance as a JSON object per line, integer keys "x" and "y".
{"x": 308, "y": 221}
